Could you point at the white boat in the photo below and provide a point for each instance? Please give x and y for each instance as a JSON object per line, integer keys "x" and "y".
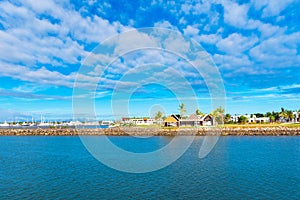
{"x": 16, "y": 125}
{"x": 25, "y": 124}
{"x": 32, "y": 124}
{"x": 44, "y": 124}
{"x": 106, "y": 124}
{"x": 74, "y": 123}
{"x": 5, "y": 124}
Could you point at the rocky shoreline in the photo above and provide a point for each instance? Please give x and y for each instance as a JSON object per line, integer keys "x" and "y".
{"x": 137, "y": 131}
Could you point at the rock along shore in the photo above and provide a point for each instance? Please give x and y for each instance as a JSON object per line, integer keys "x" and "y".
{"x": 137, "y": 131}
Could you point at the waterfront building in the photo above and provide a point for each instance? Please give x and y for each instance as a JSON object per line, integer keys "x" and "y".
{"x": 172, "y": 121}
{"x": 126, "y": 120}
{"x": 192, "y": 120}
{"x": 207, "y": 120}
{"x": 254, "y": 119}
{"x": 296, "y": 117}
{"x": 197, "y": 120}
{"x": 142, "y": 121}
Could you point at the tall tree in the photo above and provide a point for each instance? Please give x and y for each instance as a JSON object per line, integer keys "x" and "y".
{"x": 218, "y": 114}
{"x": 268, "y": 114}
{"x": 159, "y": 115}
{"x": 227, "y": 118}
{"x": 198, "y": 112}
{"x": 272, "y": 118}
{"x": 283, "y": 114}
{"x": 242, "y": 119}
{"x": 276, "y": 115}
{"x": 182, "y": 109}
{"x": 290, "y": 115}
{"x": 259, "y": 115}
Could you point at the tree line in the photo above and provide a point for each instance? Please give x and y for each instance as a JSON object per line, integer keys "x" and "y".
{"x": 284, "y": 115}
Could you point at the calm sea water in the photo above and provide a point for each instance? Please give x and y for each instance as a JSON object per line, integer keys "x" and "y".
{"x": 237, "y": 168}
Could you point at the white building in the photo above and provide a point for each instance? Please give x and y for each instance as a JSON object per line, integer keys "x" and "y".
{"x": 142, "y": 121}
{"x": 235, "y": 118}
{"x": 296, "y": 117}
{"x": 251, "y": 118}
{"x": 255, "y": 119}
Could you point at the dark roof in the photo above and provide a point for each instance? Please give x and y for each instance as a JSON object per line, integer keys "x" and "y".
{"x": 175, "y": 116}
{"x": 193, "y": 117}
{"x": 204, "y": 116}
{"x": 171, "y": 119}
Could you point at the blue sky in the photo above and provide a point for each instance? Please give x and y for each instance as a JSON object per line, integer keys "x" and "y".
{"x": 255, "y": 45}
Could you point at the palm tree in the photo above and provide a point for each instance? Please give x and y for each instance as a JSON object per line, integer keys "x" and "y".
{"x": 276, "y": 116}
{"x": 221, "y": 110}
{"x": 242, "y": 119}
{"x": 290, "y": 115}
{"x": 272, "y": 118}
{"x": 198, "y": 112}
{"x": 283, "y": 114}
{"x": 159, "y": 115}
{"x": 218, "y": 114}
{"x": 182, "y": 109}
{"x": 227, "y": 118}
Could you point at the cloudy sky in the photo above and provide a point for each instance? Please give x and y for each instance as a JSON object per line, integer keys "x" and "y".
{"x": 254, "y": 44}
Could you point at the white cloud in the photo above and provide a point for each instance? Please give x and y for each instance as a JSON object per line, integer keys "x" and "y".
{"x": 165, "y": 24}
{"x": 177, "y": 44}
{"x": 234, "y": 14}
{"x": 29, "y": 95}
{"x": 232, "y": 62}
{"x": 266, "y": 29}
{"x": 196, "y": 9}
{"x": 133, "y": 40}
{"x": 210, "y": 39}
{"x": 236, "y": 43}
{"x": 190, "y": 31}
{"x": 39, "y": 76}
{"x": 271, "y": 7}
{"x": 69, "y": 23}
{"x": 280, "y": 51}
{"x": 200, "y": 15}
{"x": 29, "y": 41}
{"x": 22, "y": 45}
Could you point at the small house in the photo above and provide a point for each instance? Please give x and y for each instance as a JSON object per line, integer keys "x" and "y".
{"x": 171, "y": 121}
{"x": 192, "y": 120}
{"x": 142, "y": 121}
{"x": 207, "y": 120}
{"x": 126, "y": 120}
{"x": 197, "y": 120}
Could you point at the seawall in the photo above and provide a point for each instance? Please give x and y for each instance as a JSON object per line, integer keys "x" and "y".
{"x": 137, "y": 131}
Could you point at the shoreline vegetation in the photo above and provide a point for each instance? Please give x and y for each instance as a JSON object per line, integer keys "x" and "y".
{"x": 284, "y": 123}
{"x": 227, "y": 130}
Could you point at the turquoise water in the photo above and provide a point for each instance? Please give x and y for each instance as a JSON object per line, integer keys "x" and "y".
{"x": 237, "y": 168}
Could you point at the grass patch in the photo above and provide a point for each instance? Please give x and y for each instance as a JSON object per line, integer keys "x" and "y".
{"x": 261, "y": 125}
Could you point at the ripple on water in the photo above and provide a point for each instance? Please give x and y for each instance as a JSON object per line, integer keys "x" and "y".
{"x": 237, "y": 168}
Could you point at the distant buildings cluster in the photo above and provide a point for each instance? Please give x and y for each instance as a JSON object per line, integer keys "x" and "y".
{"x": 170, "y": 121}
{"x": 54, "y": 124}
{"x": 206, "y": 120}
{"x": 252, "y": 118}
